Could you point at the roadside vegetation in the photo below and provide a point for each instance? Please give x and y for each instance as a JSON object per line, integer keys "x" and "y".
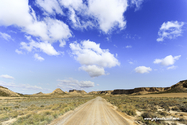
{"x": 151, "y": 107}
{"x": 38, "y": 110}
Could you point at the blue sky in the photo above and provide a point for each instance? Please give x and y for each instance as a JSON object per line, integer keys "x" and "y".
{"x": 92, "y": 44}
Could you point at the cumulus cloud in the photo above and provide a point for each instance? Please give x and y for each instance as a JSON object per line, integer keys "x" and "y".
{"x": 37, "y": 57}
{"x": 77, "y": 23}
{"x": 170, "y": 30}
{"x": 93, "y": 70}
{"x": 143, "y": 69}
{"x": 5, "y": 36}
{"x": 108, "y": 13}
{"x": 50, "y": 29}
{"x": 45, "y": 47}
{"x": 75, "y": 84}
{"x": 92, "y": 58}
{"x": 105, "y": 14}
{"x": 50, "y": 6}
{"x": 20, "y": 14}
{"x": 7, "y": 77}
{"x": 18, "y": 51}
{"x": 168, "y": 60}
{"x": 17, "y": 12}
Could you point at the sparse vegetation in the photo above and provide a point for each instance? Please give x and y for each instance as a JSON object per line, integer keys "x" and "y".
{"x": 149, "y": 106}
{"x": 38, "y": 110}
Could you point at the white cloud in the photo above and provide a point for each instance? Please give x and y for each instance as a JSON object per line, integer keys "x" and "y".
{"x": 170, "y": 30}
{"x": 172, "y": 67}
{"x": 137, "y": 3}
{"x": 46, "y": 47}
{"x": 18, "y": 51}
{"x": 62, "y": 43}
{"x": 17, "y": 13}
{"x": 108, "y": 13}
{"x": 5, "y": 36}
{"x": 143, "y": 69}
{"x": 50, "y": 29}
{"x": 36, "y": 56}
{"x": 168, "y": 60}
{"x": 7, "y": 77}
{"x": 75, "y": 4}
{"x": 77, "y": 23}
{"x": 93, "y": 70}
{"x": 20, "y": 14}
{"x": 75, "y": 84}
{"x": 90, "y": 55}
{"x": 129, "y": 46}
{"x": 50, "y": 6}
{"x": 22, "y": 86}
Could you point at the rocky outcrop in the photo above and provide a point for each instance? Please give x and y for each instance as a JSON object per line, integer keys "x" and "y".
{"x": 138, "y": 90}
{"x": 77, "y": 92}
{"x": 179, "y": 87}
{"x": 6, "y": 92}
{"x": 123, "y": 91}
{"x": 181, "y": 84}
{"x": 107, "y": 92}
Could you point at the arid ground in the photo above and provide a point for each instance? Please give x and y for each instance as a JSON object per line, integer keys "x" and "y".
{"x": 94, "y": 112}
{"x": 94, "y": 109}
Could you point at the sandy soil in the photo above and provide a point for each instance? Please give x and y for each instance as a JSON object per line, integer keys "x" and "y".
{"x": 94, "y": 112}
{"x": 164, "y": 95}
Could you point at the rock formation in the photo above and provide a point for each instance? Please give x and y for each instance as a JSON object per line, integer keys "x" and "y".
{"x": 179, "y": 87}
{"x": 58, "y": 91}
{"x": 77, "y": 91}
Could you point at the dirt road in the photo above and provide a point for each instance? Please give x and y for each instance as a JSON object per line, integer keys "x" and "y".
{"x": 94, "y": 112}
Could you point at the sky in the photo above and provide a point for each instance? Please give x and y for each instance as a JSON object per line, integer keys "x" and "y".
{"x": 92, "y": 45}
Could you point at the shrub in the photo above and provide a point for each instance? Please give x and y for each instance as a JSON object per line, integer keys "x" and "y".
{"x": 128, "y": 109}
{"x": 162, "y": 113}
{"x": 183, "y": 108}
{"x": 3, "y": 117}
{"x": 42, "y": 106}
{"x": 13, "y": 114}
{"x": 176, "y": 109}
{"x": 16, "y": 106}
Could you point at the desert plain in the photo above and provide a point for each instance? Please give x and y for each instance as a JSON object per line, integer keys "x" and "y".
{"x": 139, "y": 106}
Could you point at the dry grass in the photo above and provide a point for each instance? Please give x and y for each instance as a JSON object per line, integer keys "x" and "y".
{"x": 38, "y": 110}
{"x": 150, "y": 107}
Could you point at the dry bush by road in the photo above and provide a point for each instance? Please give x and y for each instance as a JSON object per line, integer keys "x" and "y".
{"x": 151, "y": 107}
{"x": 37, "y": 110}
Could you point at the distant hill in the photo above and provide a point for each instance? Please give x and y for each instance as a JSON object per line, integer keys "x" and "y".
{"x": 77, "y": 92}
{"x": 57, "y": 92}
{"x": 107, "y": 92}
{"x": 179, "y": 87}
{"x": 6, "y": 92}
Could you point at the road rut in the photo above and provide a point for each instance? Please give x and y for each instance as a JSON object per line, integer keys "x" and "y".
{"x": 93, "y": 112}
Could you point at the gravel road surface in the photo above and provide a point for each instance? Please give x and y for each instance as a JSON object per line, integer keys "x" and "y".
{"x": 93, "y": 112}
